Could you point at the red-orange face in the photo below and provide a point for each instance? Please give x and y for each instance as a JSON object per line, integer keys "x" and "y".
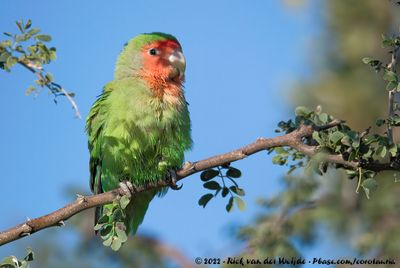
{"x": 164, "y": 60}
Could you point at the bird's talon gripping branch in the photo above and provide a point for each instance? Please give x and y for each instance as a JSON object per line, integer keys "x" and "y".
{"x": 171, "y": 176}
{"x": 61, "y": 224}
{"x": 127, "y": 188}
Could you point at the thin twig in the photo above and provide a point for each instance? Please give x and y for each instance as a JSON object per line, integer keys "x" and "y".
{"x": 39, "y": 74}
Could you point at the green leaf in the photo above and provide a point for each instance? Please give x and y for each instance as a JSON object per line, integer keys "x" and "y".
{"x": 19, "y": 25}
{"x": 237, "y": 190}
{"x": 121, "y": 233}
{"x": 28, "y": 24}
{"x": 390, "y": 76}
{"x": 380, "y": 122}
{"x": 316, "y": 137}
{"x": 12, "y": 261}
{"x": 367, "y": 60}
{"x": 393, "y": 150}
{"x": 5, "y": 44}
{"x": 209, "y": 174}
{"x": 4, "y": 56}
{"x": 21, "y": 37}
{"x": 116, "y": 244}
{"x": 124, "y": 201}
{"x": 212, "y": 185}
{"x": 240, "y": 203}
{"x": 108, "y": 242}
{"x": 382, "y": 151}
{"x": 303, "y": 111}
{"x": 369, "y": 185}
{"x": 98, "y": 226}
{"x": 279, "y": 160}
{"x": 225, "y": 191}
{"x": 205, "y": 199}
{"x": 43, "y": 37}
{"x": 346, "y": 140}
{"x": 233, "y": 173}
{"x": 336, "y": 136}
{"x": 323, "y": 117}
{"x": 103, "y": 219}
{"x": 229, "y": 206}
{"x": 30, "y": 256}
{"x": 33, "y": 31}
{"x": 11, "y": 61}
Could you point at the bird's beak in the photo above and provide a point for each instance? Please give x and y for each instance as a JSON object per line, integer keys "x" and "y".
{"x": 177, "y": 60}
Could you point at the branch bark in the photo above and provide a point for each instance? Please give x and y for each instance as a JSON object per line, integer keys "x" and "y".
{"x": 293, "y": 139}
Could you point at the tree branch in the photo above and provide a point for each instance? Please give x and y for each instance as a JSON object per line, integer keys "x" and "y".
{"x": 293, "y": 139}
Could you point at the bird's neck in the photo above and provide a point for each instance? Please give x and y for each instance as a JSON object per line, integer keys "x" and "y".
{"x": 163, "y": 88}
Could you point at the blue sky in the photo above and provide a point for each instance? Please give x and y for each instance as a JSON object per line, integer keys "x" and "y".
{"x": 240, "y": 58}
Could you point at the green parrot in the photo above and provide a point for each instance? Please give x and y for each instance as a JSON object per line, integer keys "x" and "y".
{"x": 139, "y": 127}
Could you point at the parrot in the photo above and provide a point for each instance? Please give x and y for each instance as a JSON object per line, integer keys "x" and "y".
{"x": 139, "y": 126}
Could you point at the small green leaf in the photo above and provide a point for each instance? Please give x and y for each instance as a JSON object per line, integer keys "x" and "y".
{"x": 316, "y": 137}
{"x": 393, "y": 150}
{"x": 124, "y": 201}
{"x": 240, "y": 203}
{"x": 108, "y": 242}
{"x": 43, "y": 37}
{"x": 116, "y": 244}
{"x": 369, "y": 185}
{"x": 28, "y": 24}
{"x": 98, "y": 226}
{"x": 233, "y": 173}
{"x": 367, "y": 60}
{"x": 237, "y": 190}
{"x": 121, "y": 233}
{"x": 380, "y": 122}
{"x": 205, "y": 199}
{"x": 390, "y": 76}
{"x": 5, "y": 44}
{"x": 381, "y": 151}
{"x": 33, "y": 31}
{"x": 103, "y": 219}
{"x": 229, "y": 206}
{"x": 209, "y": 174}
{"x": 4, "y": 56}
{"x": 346, "y": 140}
{"x": 30, "y": 256}
{"x": 303, "y": 111}
{"x": 323, "y": 117}
{"x": 212, "y": 185}
{"x": 19, "y": 25}
{"x": 11, "y": 61}
{"x": 225, "y": 191}
{"x": 336, "y": 136}
{"x": 12, "y": 261}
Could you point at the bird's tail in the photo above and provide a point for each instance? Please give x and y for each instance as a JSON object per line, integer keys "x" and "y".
{"x": 136, "y": 210}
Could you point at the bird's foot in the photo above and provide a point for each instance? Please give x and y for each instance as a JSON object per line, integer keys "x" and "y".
{"x": 171, "y": 176}
{"x": 128, "y": 188}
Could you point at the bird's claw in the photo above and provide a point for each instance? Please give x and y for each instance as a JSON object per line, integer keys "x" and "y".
{"x": 127, "y": 188}
{"x": 171, "y": 175}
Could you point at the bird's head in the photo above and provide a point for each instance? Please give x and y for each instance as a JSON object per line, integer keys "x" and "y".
{"x": 153, "y": 56}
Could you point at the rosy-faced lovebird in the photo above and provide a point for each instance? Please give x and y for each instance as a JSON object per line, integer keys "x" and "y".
{"x": 139, "y": 127}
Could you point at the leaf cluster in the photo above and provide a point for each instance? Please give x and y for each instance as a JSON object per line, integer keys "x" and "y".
{"x": 228, "y": 187}
{"x": 111, "y": 225}
{"x": 13, "y": 262}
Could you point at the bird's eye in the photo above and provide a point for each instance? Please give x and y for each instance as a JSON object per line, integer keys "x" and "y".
{"x": 153, "y": 51}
